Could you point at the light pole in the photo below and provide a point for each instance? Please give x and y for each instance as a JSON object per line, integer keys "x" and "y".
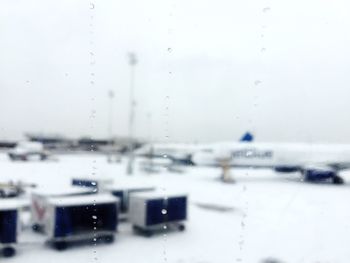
{"x": 150, "y": 139}
{"x": 132, "y": 63}
{"x": 110, "y": 122}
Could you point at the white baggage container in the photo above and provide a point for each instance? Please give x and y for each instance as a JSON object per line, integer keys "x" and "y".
{"x": 81, "y": 218}
{"x": 123, "y": 190}
{"x": 152, "y": 211}
{"x": 39, "y": 198}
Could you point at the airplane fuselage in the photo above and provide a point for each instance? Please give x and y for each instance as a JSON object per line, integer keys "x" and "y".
{"x": 272, "y": 155}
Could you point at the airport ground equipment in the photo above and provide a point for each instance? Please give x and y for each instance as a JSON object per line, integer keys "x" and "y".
{"x": 81, "y": 218}
{"x": 12, "y": 189}
{"x": 98, "y": 184}
{"x": 39, "y": 199}
{"x": 9, "y": 226}
{"x": 321, "y": 174}
{"x": 150, "y": 212}
{"x": 123, "y": 190}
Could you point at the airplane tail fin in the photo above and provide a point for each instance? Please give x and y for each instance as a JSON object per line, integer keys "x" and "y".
{"x": 247, "y": 137}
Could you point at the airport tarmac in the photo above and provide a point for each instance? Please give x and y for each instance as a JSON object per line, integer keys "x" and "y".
{"x": 262, "y": 216}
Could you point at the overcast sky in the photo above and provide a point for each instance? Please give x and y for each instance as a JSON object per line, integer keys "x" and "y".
{"x": 207, "y": 70}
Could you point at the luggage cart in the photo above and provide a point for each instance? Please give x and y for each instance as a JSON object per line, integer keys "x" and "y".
{"x": 81, "y": 218}
{"x": 9, "y": 226}
{"x": 121, "y": 189}
{"x": 151, "y": 212}
{"x": 124, "y": 190}
{"x": 39, "y": 198}
{"x": 98, "y": 184}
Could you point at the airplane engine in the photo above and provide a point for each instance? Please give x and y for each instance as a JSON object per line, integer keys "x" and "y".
{"x": 322, "y": 174}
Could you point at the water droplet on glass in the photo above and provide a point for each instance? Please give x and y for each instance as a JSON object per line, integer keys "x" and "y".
{"x": 92, "y": 6}
{"x": 164, "y": 211}
{"x": 94, "y": 217}
{"x": 266, "y": 9}
{"x": 257, "y": 82}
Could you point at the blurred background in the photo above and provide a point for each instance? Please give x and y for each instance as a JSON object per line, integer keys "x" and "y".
{"x": 206, "y": 71}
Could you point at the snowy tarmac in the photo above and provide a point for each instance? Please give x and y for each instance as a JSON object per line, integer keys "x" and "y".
{"x": 264, "y": 215}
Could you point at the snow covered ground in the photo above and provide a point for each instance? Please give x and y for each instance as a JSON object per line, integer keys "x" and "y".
{"x": 263, "y": 215}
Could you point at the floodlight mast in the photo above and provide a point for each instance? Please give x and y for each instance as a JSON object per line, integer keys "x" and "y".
{"x": 132, "y": 63}
{"x": 110, "y": 122}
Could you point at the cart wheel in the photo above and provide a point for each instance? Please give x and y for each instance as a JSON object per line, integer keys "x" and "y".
{"x": 135, "y": 229}
{"x": 36, "y": 228}
{"x": 181, "y": 227}
{"x": 142, "y": 231}
{"x": 108, "y": 239}
{"x": 8, "y": 252}
{"x": 148, "y": 233}
{"x": 338, "y": 180}
{"x": 60, "y": 245}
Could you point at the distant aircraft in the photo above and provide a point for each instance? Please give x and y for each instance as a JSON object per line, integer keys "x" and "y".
{"x": 180, "y": 154}
{"x": 316, "y": 163}
{"x": 176, "y": 153}
{"x": 27, "y": 150}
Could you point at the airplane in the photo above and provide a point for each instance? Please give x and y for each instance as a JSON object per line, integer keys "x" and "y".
{"x": 27, "y": 150}
{"x": 315, "y": 162}
{"x": 175, "y": 153}
{"x": 178, "y": 154}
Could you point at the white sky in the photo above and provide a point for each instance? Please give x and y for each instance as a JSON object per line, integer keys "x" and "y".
{"x": 207, "y": 71}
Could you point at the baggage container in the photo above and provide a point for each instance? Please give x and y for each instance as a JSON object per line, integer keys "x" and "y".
{"x": 81, "y": 218}
{"x": 98, "y": 184}
{"x": 39, "y": 199}
{"x": 153, "y": 211}
{"x": 123, "y": 190}
{"x": 9, "y": 226}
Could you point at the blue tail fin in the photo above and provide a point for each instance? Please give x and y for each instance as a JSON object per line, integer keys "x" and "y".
{"x": 247, "y": 137}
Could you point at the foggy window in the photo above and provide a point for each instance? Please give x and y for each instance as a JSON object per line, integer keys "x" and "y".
{"x": 174, "y": 131}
